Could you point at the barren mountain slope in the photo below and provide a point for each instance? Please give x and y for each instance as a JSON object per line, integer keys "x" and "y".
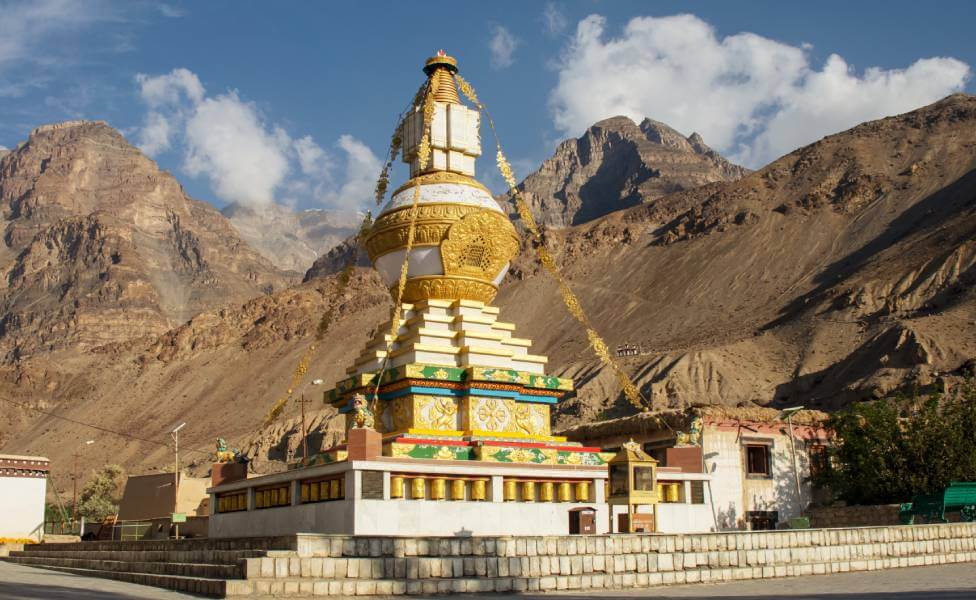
{"x": 616, "y": 164}
{"x": 291, "y": 239}
{"x": 836, "y": 273}
{"x": 100, "y": 245}
{"x": 839, "y": 271}
{"x": 220, "y": 373}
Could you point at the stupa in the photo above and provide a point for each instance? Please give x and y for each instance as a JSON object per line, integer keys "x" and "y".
{"x": 457, "y": 383}
{"x": 447, "y": 410}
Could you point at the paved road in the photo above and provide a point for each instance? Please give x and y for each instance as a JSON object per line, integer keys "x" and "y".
{"x": 950, "y": 582}
{"x": 18, "y": 582}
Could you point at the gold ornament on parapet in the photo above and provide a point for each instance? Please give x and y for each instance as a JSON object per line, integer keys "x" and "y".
{"x": 448, "y": 288}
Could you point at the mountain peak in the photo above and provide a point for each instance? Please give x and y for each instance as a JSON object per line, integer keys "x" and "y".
{"x": 615, "y": 164}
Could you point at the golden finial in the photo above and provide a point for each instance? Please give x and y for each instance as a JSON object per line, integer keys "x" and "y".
{"x": 441, "y": 69}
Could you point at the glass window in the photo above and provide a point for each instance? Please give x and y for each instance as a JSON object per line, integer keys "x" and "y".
{"x": 618, "y": 480}
{"x": 818, "y": 460}
{"x": 644, "y": 479}
{"x": 757, "y": 460}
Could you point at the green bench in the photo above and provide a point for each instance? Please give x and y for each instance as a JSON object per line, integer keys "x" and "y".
{"x": 959, "y": 497}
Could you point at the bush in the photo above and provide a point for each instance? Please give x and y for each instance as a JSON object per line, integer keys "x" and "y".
{"x": 889, "y": 450}
{"x": 100, "y": 496}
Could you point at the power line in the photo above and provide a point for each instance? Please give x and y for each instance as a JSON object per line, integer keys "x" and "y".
{"x": 96, "y": 427}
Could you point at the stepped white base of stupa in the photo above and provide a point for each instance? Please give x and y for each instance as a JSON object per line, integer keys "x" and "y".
{"x": 367, "y": 499}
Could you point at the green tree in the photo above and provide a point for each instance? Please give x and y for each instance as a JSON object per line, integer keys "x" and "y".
{"x": 889, "y": 450}
{"x": 100, "y": 496}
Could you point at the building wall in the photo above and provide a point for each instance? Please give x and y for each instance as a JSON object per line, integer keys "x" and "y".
{"x": 736, "y": 493}
{"x": 22, "y": 507}
{"x": 403, "y": 517}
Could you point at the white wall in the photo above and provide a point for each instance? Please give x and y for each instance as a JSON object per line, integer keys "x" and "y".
{"x": 22, "y": 507}
{"x": 735, "y": 494}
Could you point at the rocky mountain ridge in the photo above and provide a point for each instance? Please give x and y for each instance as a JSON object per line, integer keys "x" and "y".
{"x": 616, "y": 164}
{"x": 291, "y": 239}
{"x": 99, "y": 245}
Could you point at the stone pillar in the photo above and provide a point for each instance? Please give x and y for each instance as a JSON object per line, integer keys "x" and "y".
{"x": 296, "y": 492}
{"x": 497, "y": 495}
{"x": 363, "y": 444}
{"x": 599, "y": 494}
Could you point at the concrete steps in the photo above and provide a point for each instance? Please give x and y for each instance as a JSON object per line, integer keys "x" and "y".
{"x": 216, "y": 588}
{"x": 207, "y": 571}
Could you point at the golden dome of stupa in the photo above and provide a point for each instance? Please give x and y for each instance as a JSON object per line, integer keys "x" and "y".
{"x": 463, "y": 242}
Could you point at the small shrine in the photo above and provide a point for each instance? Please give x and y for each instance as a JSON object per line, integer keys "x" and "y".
{"x": 633, "y": 483}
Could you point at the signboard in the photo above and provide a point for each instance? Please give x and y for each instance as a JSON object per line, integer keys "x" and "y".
{"x": 179, "y": 517}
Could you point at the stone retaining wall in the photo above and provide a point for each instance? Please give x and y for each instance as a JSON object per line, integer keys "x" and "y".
{"x": 309, "y": 564}
{"x": 331, "y": 565}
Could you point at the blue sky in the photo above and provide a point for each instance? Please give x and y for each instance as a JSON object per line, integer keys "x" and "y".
{"x": 294, "y": 102}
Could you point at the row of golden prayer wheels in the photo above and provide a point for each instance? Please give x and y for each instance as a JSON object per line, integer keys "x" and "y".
{"x": 513, "y": 490}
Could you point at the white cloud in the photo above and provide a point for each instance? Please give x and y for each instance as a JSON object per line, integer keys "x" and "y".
{"x": 553, "y": 20}
{"x": 171, "y": 88}
{"x": 227, "y": 142}
{"x": 502, "y": 46}
{"x": 247, "y": 159}
{"x": 749, "y": 96}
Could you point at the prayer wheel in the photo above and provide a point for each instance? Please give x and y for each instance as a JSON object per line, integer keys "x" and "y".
{"x": 313, "y": 492}
{"x": 342, "y": 487}
{"x": 457, "y": 489}
{"x": 417, "y": 488}
{"x": 661, "y": 496}
{"x": 438, "y": 489}
{"x": 545, "y": 491}
{"x": 396, "y": 487}
{"x": 528, "y": 491}
{"x": 583, "y": 491}
{"x": 242, "y": 502}
{"x": 563, "y": 492}
{"x": 267, "y": 498}
{"x": 672, "y": 491}
{"x": 334, "y": 491}
{"x": 509, "y": 490}
{"x": 258, "y": 500}
{"x": 274, "y": 497}
{"x": 478, "y": 489}
{"x": 304, "y": 492}
{"x": 324, "y": 490}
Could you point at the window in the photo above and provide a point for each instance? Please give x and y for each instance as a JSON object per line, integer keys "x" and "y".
{"x": 697, "y": 492}
{"x": 818, "y": 460}
{"x": 618, "y": 480}
{"x": 757, "y": 460}
{"x": 644, "y": 479}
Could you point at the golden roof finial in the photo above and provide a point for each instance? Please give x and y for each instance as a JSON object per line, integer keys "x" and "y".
{"x": 442, "y": 67}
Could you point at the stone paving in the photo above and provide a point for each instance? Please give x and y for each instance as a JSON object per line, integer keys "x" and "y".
{"x": 945, "y": 582}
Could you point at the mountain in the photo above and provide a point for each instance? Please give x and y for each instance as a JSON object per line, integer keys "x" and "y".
{"x": 100, "y": 245}
{"x": 840, "y": 272}
{"x": 292, "y": 240}
{"x": 617, "y": 164}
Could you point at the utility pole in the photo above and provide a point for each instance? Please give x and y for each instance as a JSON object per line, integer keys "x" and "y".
{"x": 74, "y": 487}
{"x": 74, "y": 483}
{"x": 789, "y": 412}
{"x": 176, "y": 473}
{"x": 302, "y": 402}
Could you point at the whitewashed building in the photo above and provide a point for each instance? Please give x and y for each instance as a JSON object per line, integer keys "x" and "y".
{"x": 741, "y": 469}
{"x": 23, "y": 488}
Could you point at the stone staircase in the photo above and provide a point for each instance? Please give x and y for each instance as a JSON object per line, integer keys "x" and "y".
{"x": 198, "y": 566}
{"x": 325, "y": 565}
